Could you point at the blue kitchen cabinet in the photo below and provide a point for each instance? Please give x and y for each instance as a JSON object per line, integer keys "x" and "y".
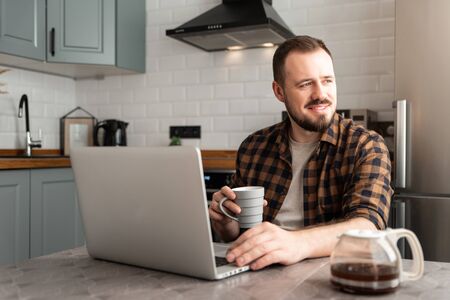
{"x": 22, "y": 28}
{"x": 39, "y": 213}
{"x": 14, "y": 216}
{"x": 55, "y": 222}
{"x": 75, "y": 38}
{"x": 81, "y": 31}
{"x": 102, "y": 32}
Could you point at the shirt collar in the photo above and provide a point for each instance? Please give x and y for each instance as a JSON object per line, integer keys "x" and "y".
{"x": 283, "y": 140}
{"x": 330, "y": 135}
{"x": 332, "y": 132}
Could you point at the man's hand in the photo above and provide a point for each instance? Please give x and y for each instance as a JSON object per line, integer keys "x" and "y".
{"x": 267, "y": 244}
{"x": 227, "y": 228}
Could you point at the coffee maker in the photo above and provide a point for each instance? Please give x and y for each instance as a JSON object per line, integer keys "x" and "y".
{"x": 110, "y": 133}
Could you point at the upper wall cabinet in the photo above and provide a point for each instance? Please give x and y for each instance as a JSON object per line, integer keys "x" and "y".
{"x": 22, "y": 28}
{"x": 81, "y": 31}
{"x": 82, "y": 38}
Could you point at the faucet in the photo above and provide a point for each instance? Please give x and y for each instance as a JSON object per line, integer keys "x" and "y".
{"x": 29, "y": 142}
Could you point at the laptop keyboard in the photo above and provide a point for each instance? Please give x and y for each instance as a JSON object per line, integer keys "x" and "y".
{"x": 221, "y": 261}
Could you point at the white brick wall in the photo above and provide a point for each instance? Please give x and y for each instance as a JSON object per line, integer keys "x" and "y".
{"x": 227, "y": 93}
{"x": 49, "y": 97}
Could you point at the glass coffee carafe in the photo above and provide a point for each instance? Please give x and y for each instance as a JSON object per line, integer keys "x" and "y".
{"x": 369, "y": 262}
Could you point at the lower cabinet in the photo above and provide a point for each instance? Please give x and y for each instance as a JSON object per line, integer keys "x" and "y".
{"x": 39, "y": 213}
{"x": 55, "y": 222}
{"x": 14, "y": 216}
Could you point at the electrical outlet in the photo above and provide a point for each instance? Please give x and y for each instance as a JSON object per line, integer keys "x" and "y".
{"x": 185, "y": 132}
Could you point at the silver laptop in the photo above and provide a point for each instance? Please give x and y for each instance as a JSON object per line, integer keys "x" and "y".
{"x": 147, "y": 207}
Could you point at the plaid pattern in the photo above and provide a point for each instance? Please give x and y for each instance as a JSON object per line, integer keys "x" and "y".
{"x": 347, "y": 176}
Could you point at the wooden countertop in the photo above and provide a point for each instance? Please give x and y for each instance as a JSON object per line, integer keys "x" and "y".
{"x": 219, "y": 159}
{"x": 11, "y": 159}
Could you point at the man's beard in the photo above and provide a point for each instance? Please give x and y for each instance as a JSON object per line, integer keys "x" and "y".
{"x": 306, "y": 123}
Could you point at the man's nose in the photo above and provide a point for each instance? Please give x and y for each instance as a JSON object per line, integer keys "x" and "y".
{"x": 319, "y": 91}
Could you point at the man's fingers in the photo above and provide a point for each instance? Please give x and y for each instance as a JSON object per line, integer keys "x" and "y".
{"x": 268, "y": 259}
{"x": 228, "y": 192}
{"x": 231, "y": 206}
{"x": 251, "y": 241}
{"x": 248, "y": 234}
{"x": 225, "y": 192}
{"x": 218, "y": 217}
{"x": 256, "y": 252}
{"x": 228, "y": 204}
{"x": 214, "y": 210}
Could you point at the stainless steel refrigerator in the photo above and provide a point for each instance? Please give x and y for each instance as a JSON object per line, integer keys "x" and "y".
{"x": 422, "y": 152}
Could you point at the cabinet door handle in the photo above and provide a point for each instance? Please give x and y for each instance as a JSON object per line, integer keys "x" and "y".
{"x": 52, "y": 41}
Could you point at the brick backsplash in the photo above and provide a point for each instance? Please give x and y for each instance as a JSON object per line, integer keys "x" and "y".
{"x": 227, "y": 93}
{"x": 50, "y": 97}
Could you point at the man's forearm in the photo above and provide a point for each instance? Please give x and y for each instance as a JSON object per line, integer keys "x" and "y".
{"x": 321, "y": 240}
{"x": 266, "y": 243}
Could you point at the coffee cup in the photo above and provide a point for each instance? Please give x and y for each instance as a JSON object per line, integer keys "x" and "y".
{"x": 251, "y": 201}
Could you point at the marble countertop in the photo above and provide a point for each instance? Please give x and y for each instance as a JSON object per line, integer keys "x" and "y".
{"x": 73, "y": 274}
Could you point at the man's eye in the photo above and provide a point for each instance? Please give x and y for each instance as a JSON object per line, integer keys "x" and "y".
{"x": 305, "y": 84}
{"x": 329, "y": 80}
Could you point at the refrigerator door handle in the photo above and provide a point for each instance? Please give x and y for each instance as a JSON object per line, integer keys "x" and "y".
{"x": 398, "y": 213}
{"x": 400, "y": 125}
{"x": 398, "y": 220}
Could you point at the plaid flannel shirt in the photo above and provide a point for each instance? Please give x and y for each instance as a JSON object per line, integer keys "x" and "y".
{"x": 347, "y": 176}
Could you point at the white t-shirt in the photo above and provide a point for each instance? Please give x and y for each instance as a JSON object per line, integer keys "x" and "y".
{"x": 290, "y": 216}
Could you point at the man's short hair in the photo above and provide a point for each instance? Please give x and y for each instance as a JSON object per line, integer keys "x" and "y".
{"x": 302, "y": 44}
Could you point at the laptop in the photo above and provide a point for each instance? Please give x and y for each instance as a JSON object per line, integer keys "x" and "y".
{"x": 147, "y": 207}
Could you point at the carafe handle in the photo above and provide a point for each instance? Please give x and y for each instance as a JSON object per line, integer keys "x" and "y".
{"x": 418, "y": 265}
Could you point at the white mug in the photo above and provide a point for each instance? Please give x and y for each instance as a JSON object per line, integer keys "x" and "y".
{"x": 251, "y": 201}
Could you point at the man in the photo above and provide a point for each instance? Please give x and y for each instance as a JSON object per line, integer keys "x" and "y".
{"x": 322, "y": 175}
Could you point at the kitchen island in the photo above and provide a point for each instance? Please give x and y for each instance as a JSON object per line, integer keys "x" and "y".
{"x": 72, "y": 274}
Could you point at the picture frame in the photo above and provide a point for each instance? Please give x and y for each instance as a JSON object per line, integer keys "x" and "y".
{"x": 76, "y": 131}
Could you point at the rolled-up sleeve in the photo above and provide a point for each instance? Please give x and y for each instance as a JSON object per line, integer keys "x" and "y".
{"x": 369, "y": 193}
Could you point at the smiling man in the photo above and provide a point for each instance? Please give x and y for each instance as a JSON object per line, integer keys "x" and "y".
{"x": 322, "y": 174}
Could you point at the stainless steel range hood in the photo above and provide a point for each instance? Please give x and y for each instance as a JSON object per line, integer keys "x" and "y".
{"x": 234, "y": 24}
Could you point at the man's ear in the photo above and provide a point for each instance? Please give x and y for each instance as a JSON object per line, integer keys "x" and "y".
{"x": 278, "y": 91}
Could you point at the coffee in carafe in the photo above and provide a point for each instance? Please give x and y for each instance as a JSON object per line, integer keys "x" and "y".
{"x": 365, "y": 278}
{"x": 368, "y": 262}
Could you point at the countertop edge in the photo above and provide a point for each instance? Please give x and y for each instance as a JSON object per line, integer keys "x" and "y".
{"x": 212, "y": 159}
